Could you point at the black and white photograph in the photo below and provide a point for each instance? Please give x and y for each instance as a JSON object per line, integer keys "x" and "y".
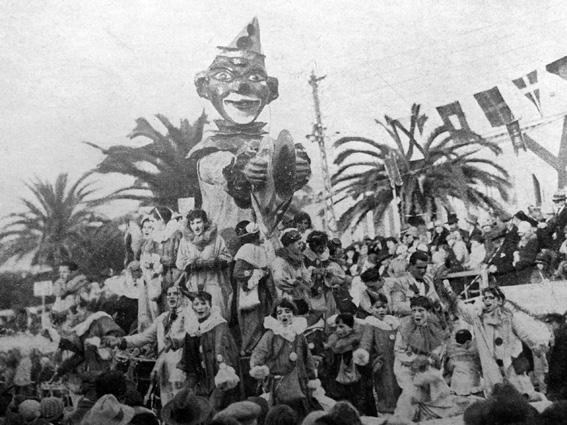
{"x": 283, "y": 212}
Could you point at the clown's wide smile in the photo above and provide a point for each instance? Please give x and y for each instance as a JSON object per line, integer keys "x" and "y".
{"x": 241, "y": 108}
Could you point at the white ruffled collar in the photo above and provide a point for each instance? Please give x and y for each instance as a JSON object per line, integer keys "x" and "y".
{"x": 390, "y": 323}
{"x": 297, "y": 327}
{"x": 194, "y": 328}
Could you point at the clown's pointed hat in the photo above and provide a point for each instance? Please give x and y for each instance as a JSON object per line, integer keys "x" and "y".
{"x": 247, "y": 40}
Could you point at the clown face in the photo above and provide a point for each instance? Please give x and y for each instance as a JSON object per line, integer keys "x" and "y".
{"x": 201, "y": 308}
{"x": 238, "y": 86}
{"x": 173, "y": 297}
{"x": 284, "y": 315}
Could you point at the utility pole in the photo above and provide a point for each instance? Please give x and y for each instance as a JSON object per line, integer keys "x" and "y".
{"x": 318, "y": 136}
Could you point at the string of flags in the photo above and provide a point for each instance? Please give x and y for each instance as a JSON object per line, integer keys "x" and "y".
{"x": 495, "y": 108}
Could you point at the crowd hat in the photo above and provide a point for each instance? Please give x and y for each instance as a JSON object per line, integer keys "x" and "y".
{"x": 29, "y": 410}
{"x": 543, "y": 258}
{"x": 186, "y": 409}
{"x": 242, "y": 411}
{"x": 290, "y": 236}
{"x": 559, "y": 196}
{"x": 51, "y": 408}
{"x": 108, "y": 411}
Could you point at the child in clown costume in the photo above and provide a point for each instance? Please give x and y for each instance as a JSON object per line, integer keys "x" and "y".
{"x": 282, "y": 360}
{"x": 210, "y": 355}
{"x": 377, "y": 350}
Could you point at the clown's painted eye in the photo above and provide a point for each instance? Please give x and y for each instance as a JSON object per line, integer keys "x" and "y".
{"x": 256, "y": 77}
{"x": 223, "y": 76}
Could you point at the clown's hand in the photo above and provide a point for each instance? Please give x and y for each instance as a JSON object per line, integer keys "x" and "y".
{"x": 302, "y": 167}
{"x": 256, "y": 171}
{"x": 226, "y": 378}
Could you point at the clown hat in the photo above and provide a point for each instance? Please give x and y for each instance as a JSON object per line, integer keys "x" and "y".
{"x": 247, "y": 40}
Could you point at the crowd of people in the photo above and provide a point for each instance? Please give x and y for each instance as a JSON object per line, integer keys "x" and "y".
{"x": 239, "y": 329}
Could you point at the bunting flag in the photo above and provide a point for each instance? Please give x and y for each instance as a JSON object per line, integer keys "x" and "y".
{"x": 558, "y": 67}
{"x": 528, "y": 86}
{"x": 515, "y": 132}
{"x": 494, "y": 107}
{"x": 453, "y": 116}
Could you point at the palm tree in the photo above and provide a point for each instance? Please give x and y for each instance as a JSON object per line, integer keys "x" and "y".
{"x": 433, "y": 169}
{"x": 161, "y": 169}
{"x": 54, "y": 221}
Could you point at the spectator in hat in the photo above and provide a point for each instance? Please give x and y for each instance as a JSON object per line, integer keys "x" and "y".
{"x": 264, "y": 407}
{"x": 30, "y": 411}
{"x": 345, "y": 412}
{"x": 543, "y": 271}
{"x": 371, "y": 284}
{"x": 501, "y": 262}
{"x": 291, "y": 278}
{"x": 558, "y": 222}
{"x": 186, "y": 409}
{"x": 108, "y": 411}
{"x": 245, "y": 412}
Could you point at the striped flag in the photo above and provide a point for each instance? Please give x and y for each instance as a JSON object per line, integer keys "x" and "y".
{"x": 494, "y": 107}
{"x": 453, "y": 116}
{"x": 528, "y": 85}
{"x": 558, "y": 67}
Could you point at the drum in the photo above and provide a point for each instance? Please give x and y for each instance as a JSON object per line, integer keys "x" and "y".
{"x": 142, "y": 370}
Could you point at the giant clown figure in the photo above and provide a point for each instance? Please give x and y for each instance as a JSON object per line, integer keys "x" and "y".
{"x": 243, "y": 173}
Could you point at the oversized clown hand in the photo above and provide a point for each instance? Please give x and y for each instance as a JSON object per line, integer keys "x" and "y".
{"x": 302, "y": 167}
{"x": 256, "y": 171}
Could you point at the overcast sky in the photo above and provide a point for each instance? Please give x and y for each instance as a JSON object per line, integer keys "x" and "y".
{"x": 74, "y": 71}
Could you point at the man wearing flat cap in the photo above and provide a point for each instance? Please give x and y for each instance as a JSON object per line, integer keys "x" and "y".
{"x": 501, "y": 262}
{"x": 245, "y": 412}
{"x": 558, "y": 222}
